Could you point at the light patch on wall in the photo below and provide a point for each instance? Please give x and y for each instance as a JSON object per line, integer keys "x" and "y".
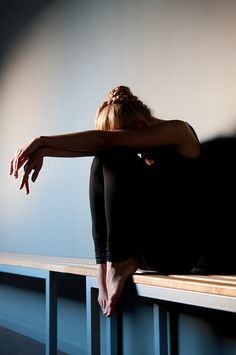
{"x": 178, "y": 57}
{"x": 37, "y": 98}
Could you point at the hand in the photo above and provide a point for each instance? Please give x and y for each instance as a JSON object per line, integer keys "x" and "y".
{"x": 34, "y": 163}
{"x": 22, "y": 155}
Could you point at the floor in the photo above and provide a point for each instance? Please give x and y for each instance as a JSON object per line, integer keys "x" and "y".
{"x": 12, "y": 343}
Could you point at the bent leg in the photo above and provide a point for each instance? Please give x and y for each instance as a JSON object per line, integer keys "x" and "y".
{"x": 99, "y": 228}
{"x": 113, "y": 203}
{"x": 123, "y": 204}
{"x": 97, "y": 209}
{"x": 122, "y": 192}
{"x": 116, "y": 188}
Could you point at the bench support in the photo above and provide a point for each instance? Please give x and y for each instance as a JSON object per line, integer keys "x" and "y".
{"x": 213, "y": 292}
{"x": 50, "y": 301}
{"x": 51, "y": 313}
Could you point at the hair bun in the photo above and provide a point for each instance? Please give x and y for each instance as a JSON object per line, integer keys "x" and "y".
{"x": 120, "y": 94}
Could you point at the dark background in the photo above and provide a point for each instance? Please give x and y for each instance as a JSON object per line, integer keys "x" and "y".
{"x": 13, "y": 15}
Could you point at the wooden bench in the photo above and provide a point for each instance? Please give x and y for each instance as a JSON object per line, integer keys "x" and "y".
{"x": 213, "y": 291}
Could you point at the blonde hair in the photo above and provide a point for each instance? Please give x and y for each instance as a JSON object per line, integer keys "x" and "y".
{"x": 122, "y": 110}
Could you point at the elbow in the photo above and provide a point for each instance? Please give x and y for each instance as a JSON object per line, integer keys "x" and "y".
{"x": 197, "y": 148}
{"x": 195, "y": 143}
{"x": 190, "y": 143}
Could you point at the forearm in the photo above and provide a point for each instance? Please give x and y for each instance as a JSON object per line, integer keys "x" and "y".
{"x": 61, "y": 153}
{"x": 93, "y": 141}
{"x": 75, "y": 144}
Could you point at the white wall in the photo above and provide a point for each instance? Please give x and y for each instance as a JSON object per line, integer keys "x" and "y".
{"x": 177, "y": 55}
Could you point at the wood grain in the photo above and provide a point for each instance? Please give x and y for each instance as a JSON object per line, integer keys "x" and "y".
{"x": 211, "y": 284}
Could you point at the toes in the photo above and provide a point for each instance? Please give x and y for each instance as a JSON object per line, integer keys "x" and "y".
{"x": 102, "y": 304}
{"x": 111, "y": 306}
{"x": 109, "y": 311}
{"x": 104, "y": 307}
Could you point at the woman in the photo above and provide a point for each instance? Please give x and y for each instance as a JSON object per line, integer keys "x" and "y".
{"x": 140, "y": 189}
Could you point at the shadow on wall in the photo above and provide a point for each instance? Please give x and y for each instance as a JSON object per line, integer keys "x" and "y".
{"x": 217, "y": 177}
{"x": 14, "y": 15}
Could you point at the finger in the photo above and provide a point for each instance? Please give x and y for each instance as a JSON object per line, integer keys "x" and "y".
{"x": 17, "y": 163}
{"x": 27, "y": 186}
{"x": 37, "y": 169}
{"x": 15, "y": 167}
{"x": 22, "y": 184}
{"x": 25, "y": 178}
{"x": 20, "y": 163}
{"x": 25, "y": 183}
{"x": 35, "y": 175}
{"x": 11, "y": 168}
{"x": 15, "y": 173}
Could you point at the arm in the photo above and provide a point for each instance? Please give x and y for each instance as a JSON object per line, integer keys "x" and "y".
{"x": 175, "y": 132}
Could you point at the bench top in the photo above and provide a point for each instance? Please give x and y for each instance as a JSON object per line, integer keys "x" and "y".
{"x": 210, "y": 284}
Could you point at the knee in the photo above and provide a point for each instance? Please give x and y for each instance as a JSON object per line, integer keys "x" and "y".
{"x": 120, "y": 160}
{"x": 116, "y": 164}
{"x": 97, "y": 164}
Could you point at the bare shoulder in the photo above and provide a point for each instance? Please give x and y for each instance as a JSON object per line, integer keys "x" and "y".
{"x": 155, "y": 121}
{"x": 169, "y": 123}
{"x": 181, "y": 134}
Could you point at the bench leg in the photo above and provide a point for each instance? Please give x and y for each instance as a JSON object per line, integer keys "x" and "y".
{"x": 165, "y": 331}
{"x": 51, "y": 313}
{"x": 93, "y": 317}
{"x": 112, "y": 335}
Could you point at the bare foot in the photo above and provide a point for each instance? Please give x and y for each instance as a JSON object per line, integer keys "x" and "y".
{"x": 102, "y": 293}
{"x": 117, "y": 273}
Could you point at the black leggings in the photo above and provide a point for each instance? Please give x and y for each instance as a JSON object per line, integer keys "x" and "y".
{"x": 135, "y": 215}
